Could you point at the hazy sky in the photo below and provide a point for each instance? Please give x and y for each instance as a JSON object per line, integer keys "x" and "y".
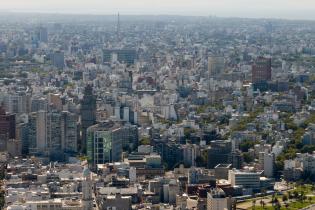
{"x": 292, "y": 9}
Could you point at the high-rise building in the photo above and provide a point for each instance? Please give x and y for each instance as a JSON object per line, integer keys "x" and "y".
{"x": 22, "y": 136}
{"x": 261, "y": 70}
{"x": 88, "y": 114}
{"x": 219, "y": 152}
{"x": 43, "y": 34}
{"x": 127, "y": 56}
{"x": 269, "y": 162}
{"x": 32, "y": 133}
{"x": 53, "y": 126}
{"x": 129, "y": 136}
{"x": 51, "y": 133}
{"x": 58, "y": 59}
{"x": 105, "y": 142}
{"x": 39, "y": 103}
{"x": 7, "y": 124}
{"x": 216, "y": 66}
{"x": 69, "y": 141}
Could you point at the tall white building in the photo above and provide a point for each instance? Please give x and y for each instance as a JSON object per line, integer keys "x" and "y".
{"x": 216, "y": 200}
{"x": 269, "y": 160}
{"x": 87, "y": 198}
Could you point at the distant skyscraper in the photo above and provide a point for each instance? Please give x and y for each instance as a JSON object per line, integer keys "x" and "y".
{"x": 69, "y": 141}
{"x": 7, "y": 124}
{"x": 127, "y": 56}
{"x": 43, "y": 35}
{"x": 88, "y": 113}
{"x": 215, "y": 66}
{"x": 261, "y": 70}
{"x": 53, "y": 131}
{"x": 58, "y": 59}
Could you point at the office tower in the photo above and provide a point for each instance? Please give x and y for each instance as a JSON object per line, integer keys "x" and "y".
{"x": 16, "y": 103}
{"x": 69, "y": 141}
{"x": 39, "y": 103}
{"x": 53, "y": 131}
{"x": 127, "y": 56}
{"x": 45, "y": 133}
{"x": 88, "y": 113}
{"x": 105, "y": 141}
{"x": 58, "y": 59}
{"x": 37, "y": 132}
{"x": 7, "y": 124}
{"x": 261, "y": 70}
{"x": 246, "y": 179}
{"x": 171, "y": 152}
{"x": 22, "y": 135}
{"x": 41, "y": 132}
{"x": 129, "y": 136}
{"x": 32, "y": 133}
{"x": 126, "y": 113}
{"x": 236, "y": 159}
{"x": 43, "y": 34}
{"x": 219, "y": 152}
{"x": 190, "y": 153}
{"x": 216, "y": 66}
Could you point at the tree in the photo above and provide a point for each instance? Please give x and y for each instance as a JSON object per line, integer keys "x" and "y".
{"x": 295, "y": 194}
{"x": 284, "y": 198}
{"x": 145, "y": 141}
{"x": 247, "y": 157}
{"x": 290, "y": 195}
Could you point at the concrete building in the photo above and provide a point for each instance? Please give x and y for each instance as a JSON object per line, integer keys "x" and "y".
{"x": 216, "y": 200}
{"x": 58, "y": 59}
{"x": 221, "y": 171}
{"x": 219, "y": 152}
{"x": 261, "y": 70}
{"x": 7, "y": 124}
{"x": 247, "y": 179}
{"x": 69, "y": 130}
{"x": 269, "y": 161}
{"x": 115, "y": 202}
{"x": 105, "y": 142}
{"x": 216, "y": 66}
{"x": 87, "y": 199}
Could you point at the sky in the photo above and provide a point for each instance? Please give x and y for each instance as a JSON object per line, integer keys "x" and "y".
{"x": 288, "y": 9}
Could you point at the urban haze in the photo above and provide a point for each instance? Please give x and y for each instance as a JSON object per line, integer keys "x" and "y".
{"x": 162, "y": 105}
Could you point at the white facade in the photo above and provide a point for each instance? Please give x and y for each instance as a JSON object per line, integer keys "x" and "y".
{"x": 246, "y": 179}
{"x": 269, "y": 160}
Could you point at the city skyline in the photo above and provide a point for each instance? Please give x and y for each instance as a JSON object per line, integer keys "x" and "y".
{"x": 284, "y": 9}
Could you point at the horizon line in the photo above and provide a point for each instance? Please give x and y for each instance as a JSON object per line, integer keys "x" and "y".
{"x": 7, "y": 11}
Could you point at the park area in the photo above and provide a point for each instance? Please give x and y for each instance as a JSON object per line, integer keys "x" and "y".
{"x": 298, "y": 198}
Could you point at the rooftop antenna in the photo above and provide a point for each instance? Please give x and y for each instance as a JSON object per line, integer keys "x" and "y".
{"x": 118, "y": 27}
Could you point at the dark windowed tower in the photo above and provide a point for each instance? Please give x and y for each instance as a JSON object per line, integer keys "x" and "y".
{"x": 261, "y": 71}
{"x": 88, "y": 114}
{"x": 7, "y": 124}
